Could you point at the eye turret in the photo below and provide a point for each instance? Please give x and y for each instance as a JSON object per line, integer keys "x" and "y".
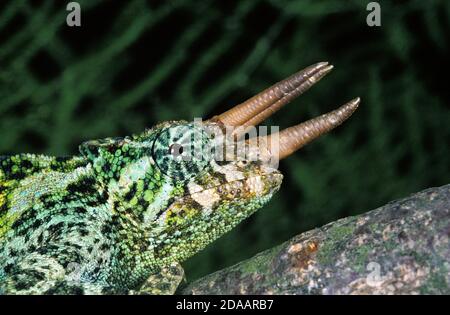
{"x": 183, "y": 151}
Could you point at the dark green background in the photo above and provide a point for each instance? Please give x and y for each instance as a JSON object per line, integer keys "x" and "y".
{"x": 134, "y": 63}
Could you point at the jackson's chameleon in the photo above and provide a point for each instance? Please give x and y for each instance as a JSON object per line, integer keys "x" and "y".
{"x": 121, "y": 217}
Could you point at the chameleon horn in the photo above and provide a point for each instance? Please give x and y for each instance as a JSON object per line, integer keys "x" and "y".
{"x": 263, "y": 105}
{"x": 293, "y": 138}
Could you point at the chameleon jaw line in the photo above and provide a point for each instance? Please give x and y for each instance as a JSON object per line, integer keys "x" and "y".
{"x": 265, "y": 104}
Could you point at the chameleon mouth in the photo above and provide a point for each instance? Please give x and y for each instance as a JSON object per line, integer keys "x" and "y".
{"x": 255, "y": 186}
{"x": 265, "y": 104}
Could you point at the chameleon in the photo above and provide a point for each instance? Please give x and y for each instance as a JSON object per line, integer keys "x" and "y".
{"x": 122, "y": 215}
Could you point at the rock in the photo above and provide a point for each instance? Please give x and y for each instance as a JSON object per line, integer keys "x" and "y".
{"x": 400, "y": 248}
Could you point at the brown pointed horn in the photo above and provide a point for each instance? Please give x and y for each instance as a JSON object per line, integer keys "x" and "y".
{"x": 263, "y": 105}
{"x": 293, "y": 138}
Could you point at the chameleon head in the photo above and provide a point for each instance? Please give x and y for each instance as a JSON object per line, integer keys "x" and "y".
{"x": 189, "y": 183}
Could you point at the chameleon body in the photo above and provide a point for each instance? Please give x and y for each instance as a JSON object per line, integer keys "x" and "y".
{"x": 120, "y": 217}
{"x": 107, "y": 220}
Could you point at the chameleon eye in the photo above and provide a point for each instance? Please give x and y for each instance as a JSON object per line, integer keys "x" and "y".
{"x": 176, "y": 149}
{"x": 182, "y": 152}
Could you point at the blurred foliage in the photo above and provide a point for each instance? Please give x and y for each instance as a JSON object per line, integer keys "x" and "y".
{"x": 133, "y": 63}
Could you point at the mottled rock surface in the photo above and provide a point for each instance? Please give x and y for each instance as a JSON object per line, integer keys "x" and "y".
{"x": 400, "y": 248}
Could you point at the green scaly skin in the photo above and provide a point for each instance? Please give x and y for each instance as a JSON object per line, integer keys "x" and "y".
{"x": 119, "y": 218}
